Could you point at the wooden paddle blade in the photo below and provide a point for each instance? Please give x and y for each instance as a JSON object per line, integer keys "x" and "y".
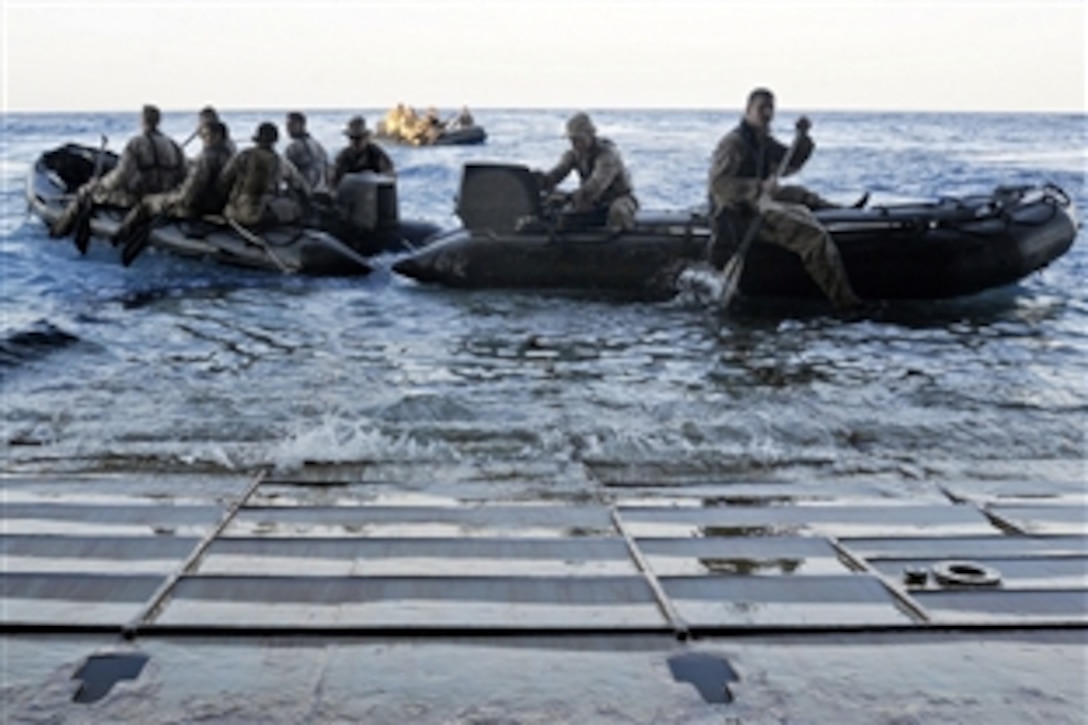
{"x": 731, "y": 280}
{"x": 135, "y": 244}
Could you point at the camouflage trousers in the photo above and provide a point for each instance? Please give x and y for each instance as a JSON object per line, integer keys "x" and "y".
{"x": 793, "y": 194}
{"x": 621, "y": 213}
{"x": 167, "y": 204}
{"x": 793, "y": 227}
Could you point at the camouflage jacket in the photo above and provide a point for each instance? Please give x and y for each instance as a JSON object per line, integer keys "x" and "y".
{"x": 200, "y": 194}
{"x": 151, "y": 163}
{"x": 742, "y": 160}
{"x": 252, "y": 179}
{"x": 604, "y": 177}
{"x": 310, "y": 159}
{"x": 368, "y": 158}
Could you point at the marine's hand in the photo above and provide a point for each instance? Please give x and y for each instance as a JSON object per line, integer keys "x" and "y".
{"x": 802, "y": 126}
{"x": 579, "y": 202}
{"x": 556, "y": 200}
{"x": 541, "y": 179}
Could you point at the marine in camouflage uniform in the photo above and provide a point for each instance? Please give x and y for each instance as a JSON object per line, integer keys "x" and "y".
{"x": 207, "y": 115}
{"x": 306, "y": 153}
{"x": 199, "y": 193}
{"x": 150, "y": 163}
{"x": 252, "y": 182}
{"x": 361, "y": 154}
{"x": 742, "y": 184}
{"x": 605, "y": 183}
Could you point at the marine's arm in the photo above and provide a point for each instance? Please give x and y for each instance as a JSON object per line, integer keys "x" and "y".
{"x": 385, "y": 164}
{"x": 803, "y": 148}
{"x": 126, "y": 168}
{"x": 551, "y": 179}
{"x": 294, "y": 178}
{"x": 230, "y": 172}
{"x": 727, "y": 189}
{"x": 606, "y": 168}
{"x": 340, "y": 167}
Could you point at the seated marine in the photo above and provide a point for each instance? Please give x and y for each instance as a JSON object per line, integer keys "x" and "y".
{"x": 361, "y": 154}
{"x": 150, "y": 163}
{"x": 255, "y": 181}
{"x": 306, "y": 153}
{"x": 198, "y": 194}
{"x": 605, "y": 182}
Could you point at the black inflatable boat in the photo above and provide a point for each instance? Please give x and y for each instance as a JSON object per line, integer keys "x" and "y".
{"x": 941, "y": 249}
{"x": 362, "y": 220}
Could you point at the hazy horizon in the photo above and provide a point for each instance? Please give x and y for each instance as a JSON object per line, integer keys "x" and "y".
{"x": 852, "y": 56}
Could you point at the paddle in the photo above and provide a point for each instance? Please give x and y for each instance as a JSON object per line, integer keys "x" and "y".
{"x": 137, "y": 239}
{"x": 257, "y": 241}
{"x": 82, "y": 234}
{"x": 735, "y": 266}
{"x": 193, "y": 135}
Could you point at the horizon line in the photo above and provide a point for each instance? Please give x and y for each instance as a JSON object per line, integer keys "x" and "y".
{"x": 558, "y": 108}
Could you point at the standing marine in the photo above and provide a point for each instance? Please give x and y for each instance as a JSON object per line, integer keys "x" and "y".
{"x": 605, "y": 183}
{"x": 743, "y": 184}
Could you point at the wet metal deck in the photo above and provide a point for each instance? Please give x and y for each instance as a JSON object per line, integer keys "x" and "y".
{"x": 236, "y": 556}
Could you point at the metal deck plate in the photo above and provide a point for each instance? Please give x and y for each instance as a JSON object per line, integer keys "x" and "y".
{"x": 224, "y": 556}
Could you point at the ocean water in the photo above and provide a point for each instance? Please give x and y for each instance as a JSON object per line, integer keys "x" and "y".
{"x": 180, "y": 365}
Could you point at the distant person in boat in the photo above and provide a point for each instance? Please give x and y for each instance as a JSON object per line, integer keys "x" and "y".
{"x": 150, "y": 163}
{"x": 743, "y": 185}
{"x": 430, "y": 128}
{"x": 464, "y": 118}
{"x": 393, "y": 122}
{"x": 199, "y": 193}
{"x": 605, "y": 182}
{"x": 306, "y": 153}
{"x": 361, "y": 154}
{"x": 261, "y": 187}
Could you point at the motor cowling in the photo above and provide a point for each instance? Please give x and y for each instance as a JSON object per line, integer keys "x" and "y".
{"x": 497, "y": 197}
{"x": 368, "y": 200}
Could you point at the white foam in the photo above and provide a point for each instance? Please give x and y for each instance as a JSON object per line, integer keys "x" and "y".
{"x": 334, "y": 440}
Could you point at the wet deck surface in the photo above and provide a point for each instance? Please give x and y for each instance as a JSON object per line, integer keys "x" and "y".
{"x": 260, "y": 555}
{"x": 180, "y": 598}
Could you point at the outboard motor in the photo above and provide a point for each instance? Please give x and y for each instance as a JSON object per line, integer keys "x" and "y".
{"x": 498, "y": 197}
{"x": 368, "y": 201}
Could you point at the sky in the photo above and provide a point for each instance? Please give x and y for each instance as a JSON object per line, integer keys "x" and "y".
{"x": 894, "y": 55}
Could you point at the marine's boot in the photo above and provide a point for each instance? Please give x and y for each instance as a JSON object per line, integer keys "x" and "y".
{"x": 861, "y": 202}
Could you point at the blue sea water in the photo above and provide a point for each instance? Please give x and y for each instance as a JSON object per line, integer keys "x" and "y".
{"x": 175, "y": 365}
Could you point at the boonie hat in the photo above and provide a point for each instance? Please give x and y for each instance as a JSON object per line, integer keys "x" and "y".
{"x": 356, "y": 128}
